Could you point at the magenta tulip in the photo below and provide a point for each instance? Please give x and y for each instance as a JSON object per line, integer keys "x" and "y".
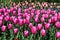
{"x": 57, "y": 34}
{"x": 3, "y": 28}
{"x": 15, "y": 30}
{"x": 43, "y": 32}
{"x": 30, "y": 25}
{"x": 9, "y": 26}
{"x": 7, "y": 18}
{"x": 54, "y": 19}
{"x": 57, "y": 24}
{"x": 14, "y": 12}
{"x": 26, "y": 33}
{"x": 33, "y": 30}
{"x": 42, "y": 19}
{"x": 47, "y": 25}
{"x": 0, "y": 22}
{"x": 39, "y": 27}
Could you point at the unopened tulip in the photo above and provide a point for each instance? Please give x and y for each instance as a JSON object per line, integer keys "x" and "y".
{"x": 47, "y": 25}
{"x": 3, "y": 28}
{"x": 20, "y": 22}
{"x": 57, "y": 34}
{"x": 42, "y": 19}
{"x": 57, "y": 24}
{"x": 7, "y": 18}
{"x": 14, "y": 12}
{"x": 0, "y": 22}
{"x": 15, "y": 21}
{"x": 33, "y": 30}
{"x": 54, "y": 19}
{"x": 43, "y": 32}
{"x": 36, "y": 19}
{"x": 30, "y": 25}
{"x": 39, "y": 27}
{"x": 9, "y": 26}
{"x": 15, "y": 30}
{"x": 26, "y": 33}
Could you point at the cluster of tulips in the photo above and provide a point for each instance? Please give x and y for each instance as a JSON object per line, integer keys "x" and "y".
{"x": 34, "y": 19}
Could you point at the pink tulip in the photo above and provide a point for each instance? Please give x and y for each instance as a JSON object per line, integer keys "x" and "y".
{"x": 57, "y": 24}
{"x": 28, "y": 19}
{"x": 45, "y": 15}
{"x": 54, "y": 19}
{"x": 58, "y": 16}
{"x": 42, "y": 19}
{"x": 25, "y": 10}
{"x": 43, "y": 32}
{"x": 30, "y": 8}
{"x": 0, "y": 22}
{"x": 20, "y": 22}
{"x": 47, "y": 25}
{"x": 19, "y": 14}
{"x": 8, "y": 10}
{"x": 15, "y": 30}
{"x": 57, "y": 34}
{"x": 19, "y": 17}
{"x": 12, "y": 18}
{"x": 33, "y": 10}
{"x": 39, "y": 27}
{"x": 49, "y": 20}
{"x": 0, "y": 14}
{"x": 36, "y": 19}
{"x": 6, "y": 14}
{"x": 15, "y": 21}
{"x": 1, "y": 10}
{"x": 24, "y": 21}
{"x": 30, "y": 25}
{"x": 9, "y": 26}
{"x": 32, "y": 14}
{"x": 11, "y": 9}
{"x": 7, "y": 18}
{"x": 26, "y": 33}
{"x": 14, "y": 12}
{"x": 3, "y": 28}
{"x": 19, "y": 10}
{"x": 1, "y": 17}
{"x": 33, "y": 30}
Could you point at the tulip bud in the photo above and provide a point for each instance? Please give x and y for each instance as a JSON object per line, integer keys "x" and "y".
{"x": 15, "y": 21}
{"x": 26, "y": 33}
{"x": 9, "y": 26}
{"x": 47, "y": 25}
{"x": 43, "y": 32}
{"x": 15, "y": 30}
{"x": 42, "y": 19}
{"x": 0, "y": 22}
{"x": 14, "y": 12}
{"x": 57, "y": 34}
{"x": 39, "y": 27}
{"x": 54, "y": 19}
{"x": 57, "y": 24}
{"x": 3, "y": 28}
{"x": 30, "y": 25}
{"x": 7, "y": 18}
{"x": 33, "y": 30}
